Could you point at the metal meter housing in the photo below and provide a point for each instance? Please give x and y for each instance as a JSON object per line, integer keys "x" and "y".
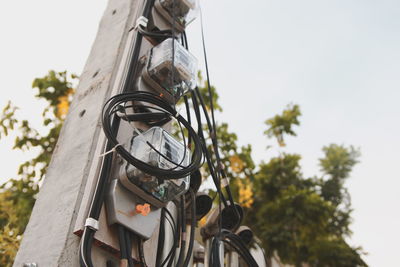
{"x": 170, "y": 70}
{"x": 171, "y": 155}
{"x": 178, "y": 13}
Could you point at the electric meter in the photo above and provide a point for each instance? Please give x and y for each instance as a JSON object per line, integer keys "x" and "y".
{"x": 166, "y": 153}
{"x": 177, "y": 12}
{"x": 171, "y": 70}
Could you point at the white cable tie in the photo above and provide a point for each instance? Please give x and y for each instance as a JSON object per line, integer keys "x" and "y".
{"x": 141, "y": 21}
{"x": 225, "y": 182}
{"x": 177, "y": 114}
{"x": 112, "y": 150}
{"x": 92, "y": 224}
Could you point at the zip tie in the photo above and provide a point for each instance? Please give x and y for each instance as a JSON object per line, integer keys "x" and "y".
{"x": 225, "y": 182}
{"x": 92, "y": 224}
{"x": 141, "y": 21}
{"x": 177, "y": 114}
{"x": 109, "y": 151}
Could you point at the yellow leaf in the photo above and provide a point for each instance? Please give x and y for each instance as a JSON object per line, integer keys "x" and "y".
{"x": 236, "y": 163}
{"x": 245, "y": 194}
{"x": 62, "y": 107}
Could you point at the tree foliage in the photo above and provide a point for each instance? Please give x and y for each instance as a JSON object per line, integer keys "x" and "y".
{"x": 282, "y": 124}
{"x": 17, "y": 195}
{"x": 301, "y": 220}
{"x": 304, "y": 220}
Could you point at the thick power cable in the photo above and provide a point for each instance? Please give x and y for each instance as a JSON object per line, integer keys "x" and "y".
{"x": 192, "y": 229}
{"x": 183, "y": 230}
{"x": 207, "y": 155}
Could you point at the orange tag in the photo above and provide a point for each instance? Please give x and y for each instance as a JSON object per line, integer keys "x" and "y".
{"x": 143, "y": 209}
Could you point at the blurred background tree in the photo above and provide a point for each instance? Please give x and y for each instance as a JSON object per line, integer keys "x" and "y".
{"x": 17, "y": 195}
{"x": 299, "y": 220}
{"x": 304, "y": 220}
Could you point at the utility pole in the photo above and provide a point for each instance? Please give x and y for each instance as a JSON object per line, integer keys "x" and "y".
{"x": 118, "y": 174}
{"x": 49, "y": 239}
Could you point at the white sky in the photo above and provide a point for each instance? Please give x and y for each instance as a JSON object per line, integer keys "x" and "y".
{"x": 339, "y": 60}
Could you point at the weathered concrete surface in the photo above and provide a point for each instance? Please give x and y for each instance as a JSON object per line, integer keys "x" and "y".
{"x": 49, "y": 239}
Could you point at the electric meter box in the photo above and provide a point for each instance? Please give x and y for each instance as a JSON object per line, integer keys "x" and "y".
{"x": 172, "y": 155}
{"x": 177, "y": 12}
{"x": 121, "y": 209}
{"x": 170, "y": 70}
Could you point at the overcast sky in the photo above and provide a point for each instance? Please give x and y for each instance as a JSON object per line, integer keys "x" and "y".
{"x": 339, "y": 60}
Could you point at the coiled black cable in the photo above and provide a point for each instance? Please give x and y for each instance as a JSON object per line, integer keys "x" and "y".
{"x": 117, "y": 100}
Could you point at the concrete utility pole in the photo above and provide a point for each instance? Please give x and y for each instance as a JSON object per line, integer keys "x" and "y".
{"x": 49, "y": 239}
{"x": 52, "y": 237}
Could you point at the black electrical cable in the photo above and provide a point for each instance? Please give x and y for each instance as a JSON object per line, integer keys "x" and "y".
{"x": 156, "y": 34}
{"x": 118, "y": 109}
{"x": 129, "y": 247}
{"x": 173, "y": 46}
{"x": 241, "y": 247}
{"x": 211, "y": 123}
{"x": 234, "y": 248}
{"x": 215, "y": 260}
{"x": 154, "y": 99}
{"x": 183, "y": 230}
{"x": 186, "y": 45}
{"x": 141, "y": 252}
{"x": 122, "y": 243}
{"x": 192, "y": 229}
{"x": 171, "y": 253}
{"x": 215, "y": 144}
{"x": 161, "y": 237}
{"x": 133, "y": 66}
{"x": 171, "y": 222}
{"x": 177, "y": 234}
{"x": 95, "y": 208}
{"x": 143, "y": 114}
{"x": 187, "y": 106}
{"x": 206, "y": 153}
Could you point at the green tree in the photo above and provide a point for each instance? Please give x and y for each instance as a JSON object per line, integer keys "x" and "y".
{"x": 17, "y": 195}
{"x": 304, "y": 220}
{"x": 301, "y": 220}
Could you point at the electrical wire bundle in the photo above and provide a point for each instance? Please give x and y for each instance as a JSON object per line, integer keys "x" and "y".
{"x": 118, "y": 103}
{"x": 235, "y": 243}
{"x": 157, "y": 111}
